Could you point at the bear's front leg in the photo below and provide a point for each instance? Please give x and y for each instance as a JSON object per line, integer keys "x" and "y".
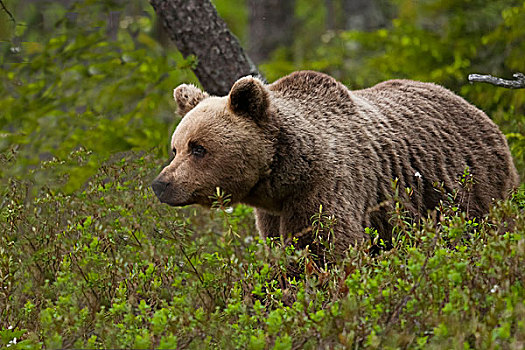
{"x": 296, "y": 223}
{"x": 267, "y": 224}
{"x": 345, "y": 230}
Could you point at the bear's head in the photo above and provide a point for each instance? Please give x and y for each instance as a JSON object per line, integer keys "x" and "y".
{"x": 218, "y": 143}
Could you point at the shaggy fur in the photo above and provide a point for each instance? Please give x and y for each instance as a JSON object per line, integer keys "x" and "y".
{"x": 306, "y": 141}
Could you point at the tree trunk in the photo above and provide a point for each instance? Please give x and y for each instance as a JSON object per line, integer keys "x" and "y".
{"x": 271, "y": 26}
{"x": 363, "y": 15}
{"x": 331, "y": 18}
{"x": 197, "y": 29}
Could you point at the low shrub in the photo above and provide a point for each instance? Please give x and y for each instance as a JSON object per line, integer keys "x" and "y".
{"x": 107, "y": 266}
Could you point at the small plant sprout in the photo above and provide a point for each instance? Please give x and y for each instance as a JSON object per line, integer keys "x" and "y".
{"x": 221, "y": 202}
{"x": 322, "y": 225}
{"x": 466, "y": 183}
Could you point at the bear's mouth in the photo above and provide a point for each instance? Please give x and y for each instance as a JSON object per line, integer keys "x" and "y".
{"x": 169, "y": 194}
{"x": 171, "y": 202}
{"x": 175, "y": 201}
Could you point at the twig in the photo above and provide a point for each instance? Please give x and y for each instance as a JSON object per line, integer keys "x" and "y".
{"x": 393, "y": 316}
{"x": 8, "y": 12}
{"x": 86, "y": 279}
{"x": 198, "y": 275}
{"x": 519, "y": 83}
{"x": 136, "y": 239}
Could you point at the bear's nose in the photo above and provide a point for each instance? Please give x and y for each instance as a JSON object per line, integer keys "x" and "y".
{"x": 159, "y": 187}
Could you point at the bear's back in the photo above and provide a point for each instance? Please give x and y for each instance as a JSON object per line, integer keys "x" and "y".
{"x": 310, "y": 86}
{"x": 415, "y": 101}
{"x": 400, "y": 129}
{"x": 436, "y": 134}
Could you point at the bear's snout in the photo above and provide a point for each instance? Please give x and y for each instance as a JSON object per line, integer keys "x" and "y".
{"x": 159, "y": 187}
{"x": 169, "y": 192}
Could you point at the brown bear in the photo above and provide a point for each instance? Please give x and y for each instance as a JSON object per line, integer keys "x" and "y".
{"x": 306, "y": 140}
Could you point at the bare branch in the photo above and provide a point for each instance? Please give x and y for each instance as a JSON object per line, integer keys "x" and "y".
{"x": 8, "y": 12}
{"x": 519, "y": 83}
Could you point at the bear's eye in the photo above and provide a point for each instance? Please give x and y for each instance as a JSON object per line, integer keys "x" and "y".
{"x": 198, "y": 151}
{"x": 174, "y": 150}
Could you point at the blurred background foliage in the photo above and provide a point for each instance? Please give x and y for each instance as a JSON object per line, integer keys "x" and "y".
{"x": 71, "y": 80}
{"x": 99, "y": 74}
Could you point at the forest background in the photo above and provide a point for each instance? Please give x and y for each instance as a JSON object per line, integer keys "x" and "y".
{"x": 89, "y": 259}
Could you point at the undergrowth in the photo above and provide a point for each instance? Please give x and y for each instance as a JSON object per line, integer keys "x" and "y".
{"x": 109, "y": 267}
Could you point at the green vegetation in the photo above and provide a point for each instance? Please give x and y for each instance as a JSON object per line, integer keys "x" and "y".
{"x": 109, "y": 267}
{"x": 90, "y": 259}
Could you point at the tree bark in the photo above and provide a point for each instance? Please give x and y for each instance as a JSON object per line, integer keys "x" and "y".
{"x": 197, "y": 29}
{"x": 113, "y": 24}
{"x": 363, "y": 15}
{"x": 331, "y": 18}
{"x": 271, "y": 26}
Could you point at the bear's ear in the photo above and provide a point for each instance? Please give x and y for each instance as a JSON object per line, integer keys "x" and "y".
{"x": 249, "y": 98}
{"x": 187, "y": 97}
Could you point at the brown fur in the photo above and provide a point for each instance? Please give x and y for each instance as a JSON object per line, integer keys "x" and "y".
{"x": 306, "y": 141}
{"x": 187, "y": 97}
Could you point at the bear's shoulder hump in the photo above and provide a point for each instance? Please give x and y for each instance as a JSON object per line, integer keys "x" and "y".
{"x": 308, "y": 83}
